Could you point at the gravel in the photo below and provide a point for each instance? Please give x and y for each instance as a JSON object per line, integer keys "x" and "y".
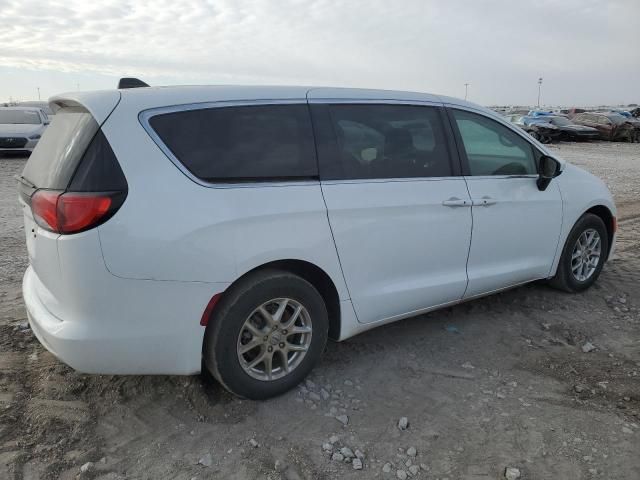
{"x": 511, "y": 473}
{"x": 337, "y": 457}
{"x": 314, "y": 396}
{"x": 347, "y": 452}
{"x": 206, "y": 460}
{"x": 403, "y": 423}
{"x": 343, "y": 419}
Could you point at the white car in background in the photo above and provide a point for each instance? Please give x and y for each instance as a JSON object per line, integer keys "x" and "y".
{"x": 240, "y": 227}
{"x": 21, "y": 128}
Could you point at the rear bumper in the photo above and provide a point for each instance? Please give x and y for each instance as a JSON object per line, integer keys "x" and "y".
{"x": 117, "y": 339}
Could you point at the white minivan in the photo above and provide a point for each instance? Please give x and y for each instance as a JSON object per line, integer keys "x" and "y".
{"x": 237, "y": 228}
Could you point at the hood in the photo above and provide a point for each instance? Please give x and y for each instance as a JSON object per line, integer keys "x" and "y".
{"x": 19, "y": 129}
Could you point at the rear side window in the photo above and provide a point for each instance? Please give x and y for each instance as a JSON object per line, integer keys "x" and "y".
{"x": 259, "y": 142}
{"x": 60, "y": 149}
{"x": 387, "y": 141}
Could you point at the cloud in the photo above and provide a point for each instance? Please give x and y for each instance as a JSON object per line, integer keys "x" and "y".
{"x": 500, "y": 47}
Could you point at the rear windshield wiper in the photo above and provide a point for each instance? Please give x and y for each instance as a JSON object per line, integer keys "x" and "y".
{"x": 24, "y": 181}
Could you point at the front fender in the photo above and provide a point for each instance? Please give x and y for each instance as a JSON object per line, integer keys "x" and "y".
{"x": 580, "y": 191}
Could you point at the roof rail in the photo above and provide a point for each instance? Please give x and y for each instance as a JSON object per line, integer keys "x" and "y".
{"x": 130, "y": 82}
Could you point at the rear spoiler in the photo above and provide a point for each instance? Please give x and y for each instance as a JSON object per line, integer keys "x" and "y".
{"x": 99, "y": 103}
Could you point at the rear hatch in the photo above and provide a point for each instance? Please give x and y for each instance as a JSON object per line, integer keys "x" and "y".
{"x": 70, "y": 184}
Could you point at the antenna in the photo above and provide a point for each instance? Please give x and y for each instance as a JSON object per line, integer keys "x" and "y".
{"x": 130, "y": 82}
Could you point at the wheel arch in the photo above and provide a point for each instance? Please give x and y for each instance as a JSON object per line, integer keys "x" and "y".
{"x": 313, "y": 274}
{"x": 609, "y": 222}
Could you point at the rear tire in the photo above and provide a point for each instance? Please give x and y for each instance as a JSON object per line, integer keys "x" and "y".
{"x": 578, "y": 268}
{"x": 271, "y": 317}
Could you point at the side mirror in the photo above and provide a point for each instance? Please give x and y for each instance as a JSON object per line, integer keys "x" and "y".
{"x": 548, "y": 169}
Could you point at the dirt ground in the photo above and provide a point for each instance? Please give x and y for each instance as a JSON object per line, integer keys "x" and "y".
{"x": 495, "y": 383}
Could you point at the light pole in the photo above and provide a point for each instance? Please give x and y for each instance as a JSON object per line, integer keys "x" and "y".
{"x": 38, "y": 93}
{"x": 539, "y": 90}
{"x": 466, "y": 90}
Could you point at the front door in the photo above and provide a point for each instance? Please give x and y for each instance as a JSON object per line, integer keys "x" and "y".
{"x": 516, "y": 226}
{"x": 399, "y": 212}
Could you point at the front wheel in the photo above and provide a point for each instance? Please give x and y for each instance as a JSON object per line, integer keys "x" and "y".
{"x": 583, "y": 256}
{"x": 269, "y": 331}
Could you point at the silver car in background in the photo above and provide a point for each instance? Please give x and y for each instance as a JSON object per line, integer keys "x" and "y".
{"x": 21, "y": 128}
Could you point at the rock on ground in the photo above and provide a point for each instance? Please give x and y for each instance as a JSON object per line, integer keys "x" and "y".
{"x": 403, "y": 423}
{"x": 511, "y": 473}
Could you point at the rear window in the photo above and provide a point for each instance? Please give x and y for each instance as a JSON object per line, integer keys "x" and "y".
{"x": 60, "y": 149}
{"x": 241, "y": 143}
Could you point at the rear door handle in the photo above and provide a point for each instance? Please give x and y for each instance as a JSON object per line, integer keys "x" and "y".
{"x": 456, "y": 202}
{"x": 484, "y": 201}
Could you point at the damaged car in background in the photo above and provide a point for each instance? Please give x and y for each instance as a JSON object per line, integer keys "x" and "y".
{"x": 572, "y": 131}
{"x": 611, "y": 126}
{"x": 539, "y": 128}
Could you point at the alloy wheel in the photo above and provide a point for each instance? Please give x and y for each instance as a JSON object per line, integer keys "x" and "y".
{"x": 586, "y": 255}
{"x": 274, "y": 339}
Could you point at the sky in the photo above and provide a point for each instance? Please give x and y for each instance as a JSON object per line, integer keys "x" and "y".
{"x": 586, "y": 51}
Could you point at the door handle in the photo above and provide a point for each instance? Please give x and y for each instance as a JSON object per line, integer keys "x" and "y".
{"x": 484, "y": 201}
{"x": 456, "y": 202}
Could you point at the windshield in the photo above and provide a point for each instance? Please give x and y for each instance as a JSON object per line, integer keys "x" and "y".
{"x": 20, "y": 117}
{"x": 617, "y": 118}
{"x": 560, "y": 121}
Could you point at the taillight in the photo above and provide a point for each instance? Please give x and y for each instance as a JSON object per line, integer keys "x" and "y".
{"x": 73, "y": 212}
{"x": 44, "y": 204}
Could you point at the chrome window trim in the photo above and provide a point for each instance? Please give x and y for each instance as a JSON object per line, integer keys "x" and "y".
{"x": 391, "y": 180}
{"x": 500, "y": 177}
{"x": 373, "y": 101}
{"x": 145, "y": 116}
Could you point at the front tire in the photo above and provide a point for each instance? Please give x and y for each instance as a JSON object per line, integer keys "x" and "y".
{"x": 267, "y": 334}
{"x": 583, "y": 255}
